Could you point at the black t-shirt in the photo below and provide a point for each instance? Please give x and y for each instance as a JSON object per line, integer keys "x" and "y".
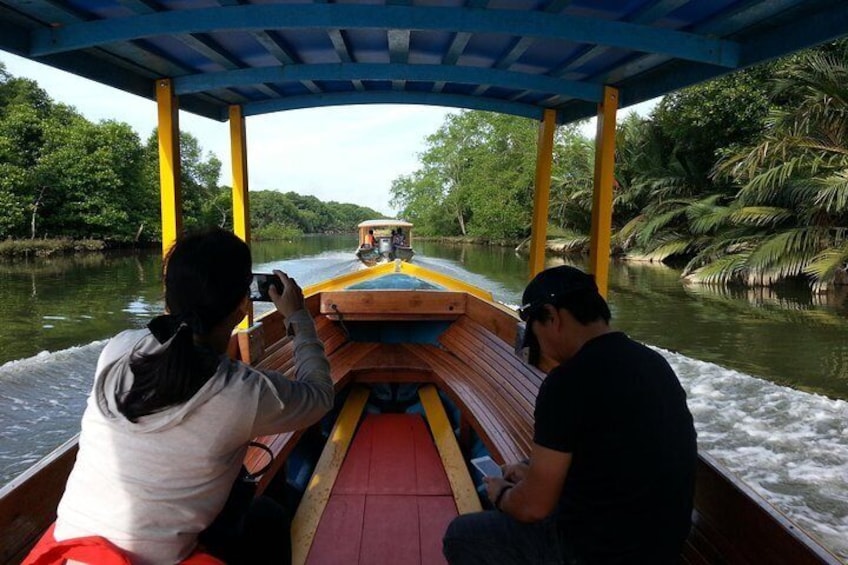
{"x": 618, "y": 408}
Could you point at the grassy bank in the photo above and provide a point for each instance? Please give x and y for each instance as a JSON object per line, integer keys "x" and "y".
{"x": 47, "y": 247}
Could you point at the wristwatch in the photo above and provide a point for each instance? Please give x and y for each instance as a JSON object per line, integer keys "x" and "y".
{"x": 500, "y": 496}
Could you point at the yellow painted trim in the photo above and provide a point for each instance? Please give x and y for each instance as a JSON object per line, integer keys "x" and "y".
{"x": 241, "y": 196}
{"x": 238, "y": 153}
{"x": 169, "y": 162}
{"x": 317, "y": 494}
{"x": 542, "y": 192}
{"x": 464, "y": 493}
{"x": 445, "y": 281}
{"x": 599, "y": 248}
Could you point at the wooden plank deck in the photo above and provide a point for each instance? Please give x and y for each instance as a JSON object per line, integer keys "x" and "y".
{"x": 392, "y": 500}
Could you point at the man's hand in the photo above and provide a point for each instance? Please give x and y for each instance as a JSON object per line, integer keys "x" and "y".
{"x": 515, "y": 472}
{"x": 494, "y": 485}
{"x": 291, "y": 300}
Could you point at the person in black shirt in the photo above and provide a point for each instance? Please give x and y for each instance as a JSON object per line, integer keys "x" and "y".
{"x": 611, "y": 474}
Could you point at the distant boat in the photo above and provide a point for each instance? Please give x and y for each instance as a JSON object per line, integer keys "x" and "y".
{"x": 386, "y": 246}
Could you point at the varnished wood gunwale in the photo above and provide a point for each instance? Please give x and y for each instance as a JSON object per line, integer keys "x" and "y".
{"x": 28, "y": 502}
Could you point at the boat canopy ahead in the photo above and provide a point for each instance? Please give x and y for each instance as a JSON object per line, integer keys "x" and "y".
{"x": 384, "y": 240}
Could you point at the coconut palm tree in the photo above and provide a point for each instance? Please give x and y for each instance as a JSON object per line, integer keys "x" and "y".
{"x": 792, "y": 209}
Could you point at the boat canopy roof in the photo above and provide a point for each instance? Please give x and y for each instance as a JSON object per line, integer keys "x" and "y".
{"x": 517, "y": 57}
{"x": 384, "y": 224}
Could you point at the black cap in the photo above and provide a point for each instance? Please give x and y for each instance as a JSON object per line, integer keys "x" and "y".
{"x": 549, "y": 287}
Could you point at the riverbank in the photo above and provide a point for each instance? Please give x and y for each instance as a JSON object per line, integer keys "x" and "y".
{"x": 23, "y": 248}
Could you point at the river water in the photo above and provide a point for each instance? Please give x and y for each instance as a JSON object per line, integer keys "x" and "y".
{"x": 766, "y": 372}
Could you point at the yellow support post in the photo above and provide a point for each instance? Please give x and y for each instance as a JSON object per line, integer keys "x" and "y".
{"x": 241, "y": 199}
{"x": 238, "y": 153}
{"x": 599, "y": 249}
{"x": 541, "y": 194}
{"x": 169, "y": 162}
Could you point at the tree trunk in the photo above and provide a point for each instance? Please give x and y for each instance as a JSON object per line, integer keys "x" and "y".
{"x": 35, "y": 211}
{"x": 461, "y": 221}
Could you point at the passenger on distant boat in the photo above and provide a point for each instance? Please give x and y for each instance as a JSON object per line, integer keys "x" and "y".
{"x": 371, "y": 241}
{"x": 399, "y": 239}
{"x": 171, "y": 415}
{"x": 611, "y": 474}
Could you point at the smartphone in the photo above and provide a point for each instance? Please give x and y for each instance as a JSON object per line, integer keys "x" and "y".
{"x": 261, "y": 283}
{"x": 487, "y": 466}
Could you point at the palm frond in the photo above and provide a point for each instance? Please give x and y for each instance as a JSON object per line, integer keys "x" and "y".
{"x": 833, "y": 193}
{"x": 721, "y": 270}
{"x": 785, "y": 254}
{"x": 825, "y": 266}
{"x": 760, "y": 215}
{"x": 705, "y": 217}
{"x": 629, "y": 231}
{"x": 657, "y": 223}
{"x": 668, "y": 249}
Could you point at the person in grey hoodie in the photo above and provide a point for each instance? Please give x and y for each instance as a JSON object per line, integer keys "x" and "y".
{"x": 170, "y": 416}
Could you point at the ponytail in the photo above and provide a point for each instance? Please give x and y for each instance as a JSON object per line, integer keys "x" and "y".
{"x": 168, "y": 377}
{"x": 207, "y": 275}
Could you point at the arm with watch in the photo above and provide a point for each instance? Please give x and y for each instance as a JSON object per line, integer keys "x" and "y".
{"x": 529, "y": 492}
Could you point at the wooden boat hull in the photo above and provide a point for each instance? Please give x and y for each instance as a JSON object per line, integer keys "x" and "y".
{"x": 452, "y": 346}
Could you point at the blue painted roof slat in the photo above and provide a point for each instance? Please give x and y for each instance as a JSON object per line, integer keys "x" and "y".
{"x": 245, "y": 48}
{"x": 228, "y": 96}
{"x": 598, "y": 69}
{"x": 516, "y": 56}
{"x": 176, "y": 50}
{"x": 367, "y": 45}
{"x": 503, "y": 22}
{"x": 606, "y": 9}
{"x": 420, "y": 86}
{"x": 393, "y": 97}
{"x": 429, "y": 47}
{"x": 546, "y": 54}
{"x": 516, "y": 4}
{"x": 693, "y": 13}
{"x": 104, "y": 10}
{"x": 312, "y": 46}
{"x": 291, "y": 88}
{"x": 823, "y": 25}
{"x": 458, "y": 88}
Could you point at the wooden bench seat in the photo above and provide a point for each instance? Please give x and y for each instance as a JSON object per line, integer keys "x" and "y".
{"x": 485, "y": 379}
{"x": 508, "y": 385}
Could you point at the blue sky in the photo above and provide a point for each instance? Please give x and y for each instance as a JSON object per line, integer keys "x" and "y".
{"x": 346, "y": 154}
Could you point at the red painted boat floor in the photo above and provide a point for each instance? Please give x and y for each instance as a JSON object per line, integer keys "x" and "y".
{"x": 391, "y": 502}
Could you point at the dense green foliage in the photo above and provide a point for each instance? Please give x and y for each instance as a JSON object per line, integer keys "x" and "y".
{"x": 277, "y": 215}
{"x": 743, "y": 179}
{"x": 477, "y": 177}
{"x": 63, "y": 177}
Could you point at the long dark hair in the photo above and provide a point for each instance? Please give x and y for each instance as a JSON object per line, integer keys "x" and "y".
{"x": 207, "y": 274}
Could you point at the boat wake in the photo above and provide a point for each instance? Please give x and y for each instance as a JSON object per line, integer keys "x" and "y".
{"x": 789, "y": 446}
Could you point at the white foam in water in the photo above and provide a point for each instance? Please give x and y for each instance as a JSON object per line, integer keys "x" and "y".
{"x": 41, "y": 403}
{"x": 790, "y": 446}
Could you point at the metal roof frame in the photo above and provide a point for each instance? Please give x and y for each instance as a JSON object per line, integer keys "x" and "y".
{"x": 518, "y": 57}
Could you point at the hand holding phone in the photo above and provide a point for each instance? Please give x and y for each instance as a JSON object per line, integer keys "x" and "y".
{"x": 487, "y": 466}
{"x": 261, "y": 284}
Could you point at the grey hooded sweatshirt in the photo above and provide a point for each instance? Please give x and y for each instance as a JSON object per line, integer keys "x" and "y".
{"x": 152, "y": 486}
